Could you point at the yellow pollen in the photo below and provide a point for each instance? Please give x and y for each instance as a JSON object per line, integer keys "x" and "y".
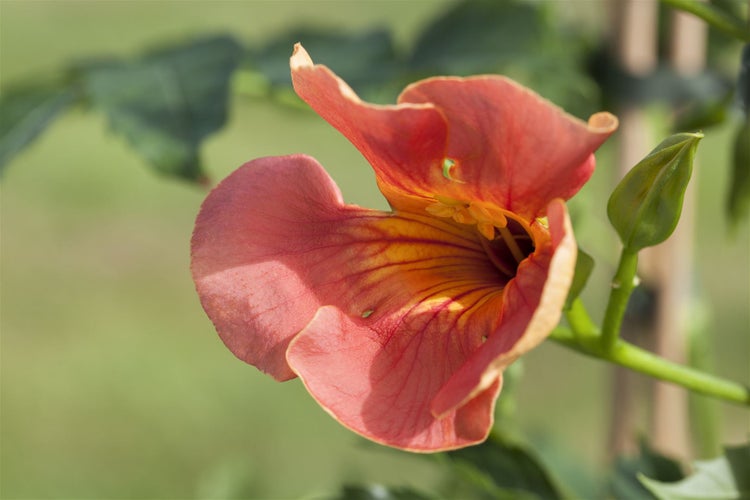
{"x": 486, "y": 229}
{"x": 439, "y": 209}
{"x": 463, "y": 216}
{"x": 543, "y": 221}
{"x": 486, "y": 217}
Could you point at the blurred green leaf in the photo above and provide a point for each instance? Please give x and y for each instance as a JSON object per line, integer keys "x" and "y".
{"x": 743, "y": 80}
{"x": 380, "y": 492}
{"x": 583, "y": 270}
{"x": 646, "y": 205}
{"x": 366, "y": 61}
{"x": 520, "y": 39}
{"x": 715, "y": 16}
{"x": 739, "y": 187}
{"x": 167, "y": 102}
{"x": 24, "y": 114}
{"x": 625, "y": 484}
{"x": 702, "y": 113}
{"x": 505, "y": 469}
{"x": 476, "y": 36}
{"x": 726, "y": 477}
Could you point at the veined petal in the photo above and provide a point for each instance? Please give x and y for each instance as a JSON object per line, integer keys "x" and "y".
{"x": 274, "y": 243}
{"x": 380, "y": 385}
{"x": 262, "y": 215}
{"x": 401, "y": 142}
{"x": 508, "y": 145}
{"x": 532, "y": 307}
{"x": 480, "y": 138}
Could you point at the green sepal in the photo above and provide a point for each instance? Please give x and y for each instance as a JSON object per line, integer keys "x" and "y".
{"x": 739, "y": 189}
{"x": 583, "y": 270}
{"x": 646, "y": 205}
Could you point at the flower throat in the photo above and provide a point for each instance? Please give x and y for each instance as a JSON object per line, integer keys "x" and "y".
{"x": 505, "y": 239}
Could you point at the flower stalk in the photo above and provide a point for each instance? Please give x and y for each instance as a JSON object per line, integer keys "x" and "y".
{"x": 622, "y": 287}
{"x": 583, "y": 336}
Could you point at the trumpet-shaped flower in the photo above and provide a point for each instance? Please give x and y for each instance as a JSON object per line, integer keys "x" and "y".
{"x": 401, "y": 323}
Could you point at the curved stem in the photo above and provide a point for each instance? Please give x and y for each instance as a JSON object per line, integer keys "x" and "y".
{"x": 640, "y": 360}
{"x": 622, "y": 286}
{"x": 713, "y": 16}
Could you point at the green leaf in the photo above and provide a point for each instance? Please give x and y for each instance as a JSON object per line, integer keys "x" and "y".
{"x": 24, "y": 114}
{"x": 726, "y": 477}
{"x": 583, "y": 270}
{"x": 703, "y": 112}
{"x": 474, "y": 36}
{"x": 743, "y": 81}
{"x": 366, "y": 61}
{"x": 167, "y": 102}
{"x": 521, "y": 39}
{"x": 714, "y": 16}
{"x": 646, "y": 205}
{"x": 507, "y": 468}
{"x": 739, "y": 187}
{"x": 380, "y": 492}
{"x": 625, "y": 482}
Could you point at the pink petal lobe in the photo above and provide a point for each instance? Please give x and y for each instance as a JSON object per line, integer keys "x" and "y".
{"x": 532, "y": 307}
{"x": 245, "y": 227}
{"x": 401, "y": 142}
{"x": 381, "y": 387}
{"x": 480, "y": 138}
{"x": 274, "y": 243}
{"x": 509, "y": 145}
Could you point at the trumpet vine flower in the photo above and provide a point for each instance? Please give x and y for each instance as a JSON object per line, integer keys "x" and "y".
{"x": 400, "y": 323}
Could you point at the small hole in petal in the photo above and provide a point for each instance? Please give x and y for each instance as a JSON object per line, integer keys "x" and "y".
{"x": 366, "y": 314}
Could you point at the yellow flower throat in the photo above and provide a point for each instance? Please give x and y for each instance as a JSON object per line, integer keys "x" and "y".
{"x": 492, "y": 223}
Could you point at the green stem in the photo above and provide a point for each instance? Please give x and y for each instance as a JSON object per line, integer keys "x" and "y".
{"x": 581, "y": 324}
{"x": 622, "y": 286}
{"x": 713, "y": 16}
{"x": 637, "y": 359}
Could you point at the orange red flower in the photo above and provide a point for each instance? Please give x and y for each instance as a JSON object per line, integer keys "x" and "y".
{"x": 401, "y": 323}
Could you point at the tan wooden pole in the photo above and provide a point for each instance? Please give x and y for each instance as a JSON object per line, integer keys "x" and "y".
{"x": 672, "y": 264}
{"x": 636, "y": 51}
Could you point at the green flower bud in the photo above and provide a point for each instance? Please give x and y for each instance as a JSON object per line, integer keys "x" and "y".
{"x": 645, "y": 206}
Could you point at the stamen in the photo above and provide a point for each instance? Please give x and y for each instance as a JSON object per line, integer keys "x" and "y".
{"x": 463, "y": 216}
{"x": 486, "y": 229}
{"x": 512, "y": 245}
{"x": 440, "y": 209}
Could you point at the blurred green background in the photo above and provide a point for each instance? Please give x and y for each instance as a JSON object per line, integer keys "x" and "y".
{"x": 114, "y": 383}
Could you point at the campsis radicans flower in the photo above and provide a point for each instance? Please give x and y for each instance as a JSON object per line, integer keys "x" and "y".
{"x": 401, "y": 323}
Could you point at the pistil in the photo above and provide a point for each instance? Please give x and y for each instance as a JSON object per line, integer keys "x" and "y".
{"x": 510, "y": 241}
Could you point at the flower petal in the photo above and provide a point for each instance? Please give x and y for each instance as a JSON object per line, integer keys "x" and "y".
{"x": 532, "y": 307}
{"x": 266, "y": 210}
{"x": 401, "y": 142}
{"x": 479, "y": 138}
{"x": 380, "y": 385}
{"x": 509, "y": 146}
{"x": 274, "y": 242}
